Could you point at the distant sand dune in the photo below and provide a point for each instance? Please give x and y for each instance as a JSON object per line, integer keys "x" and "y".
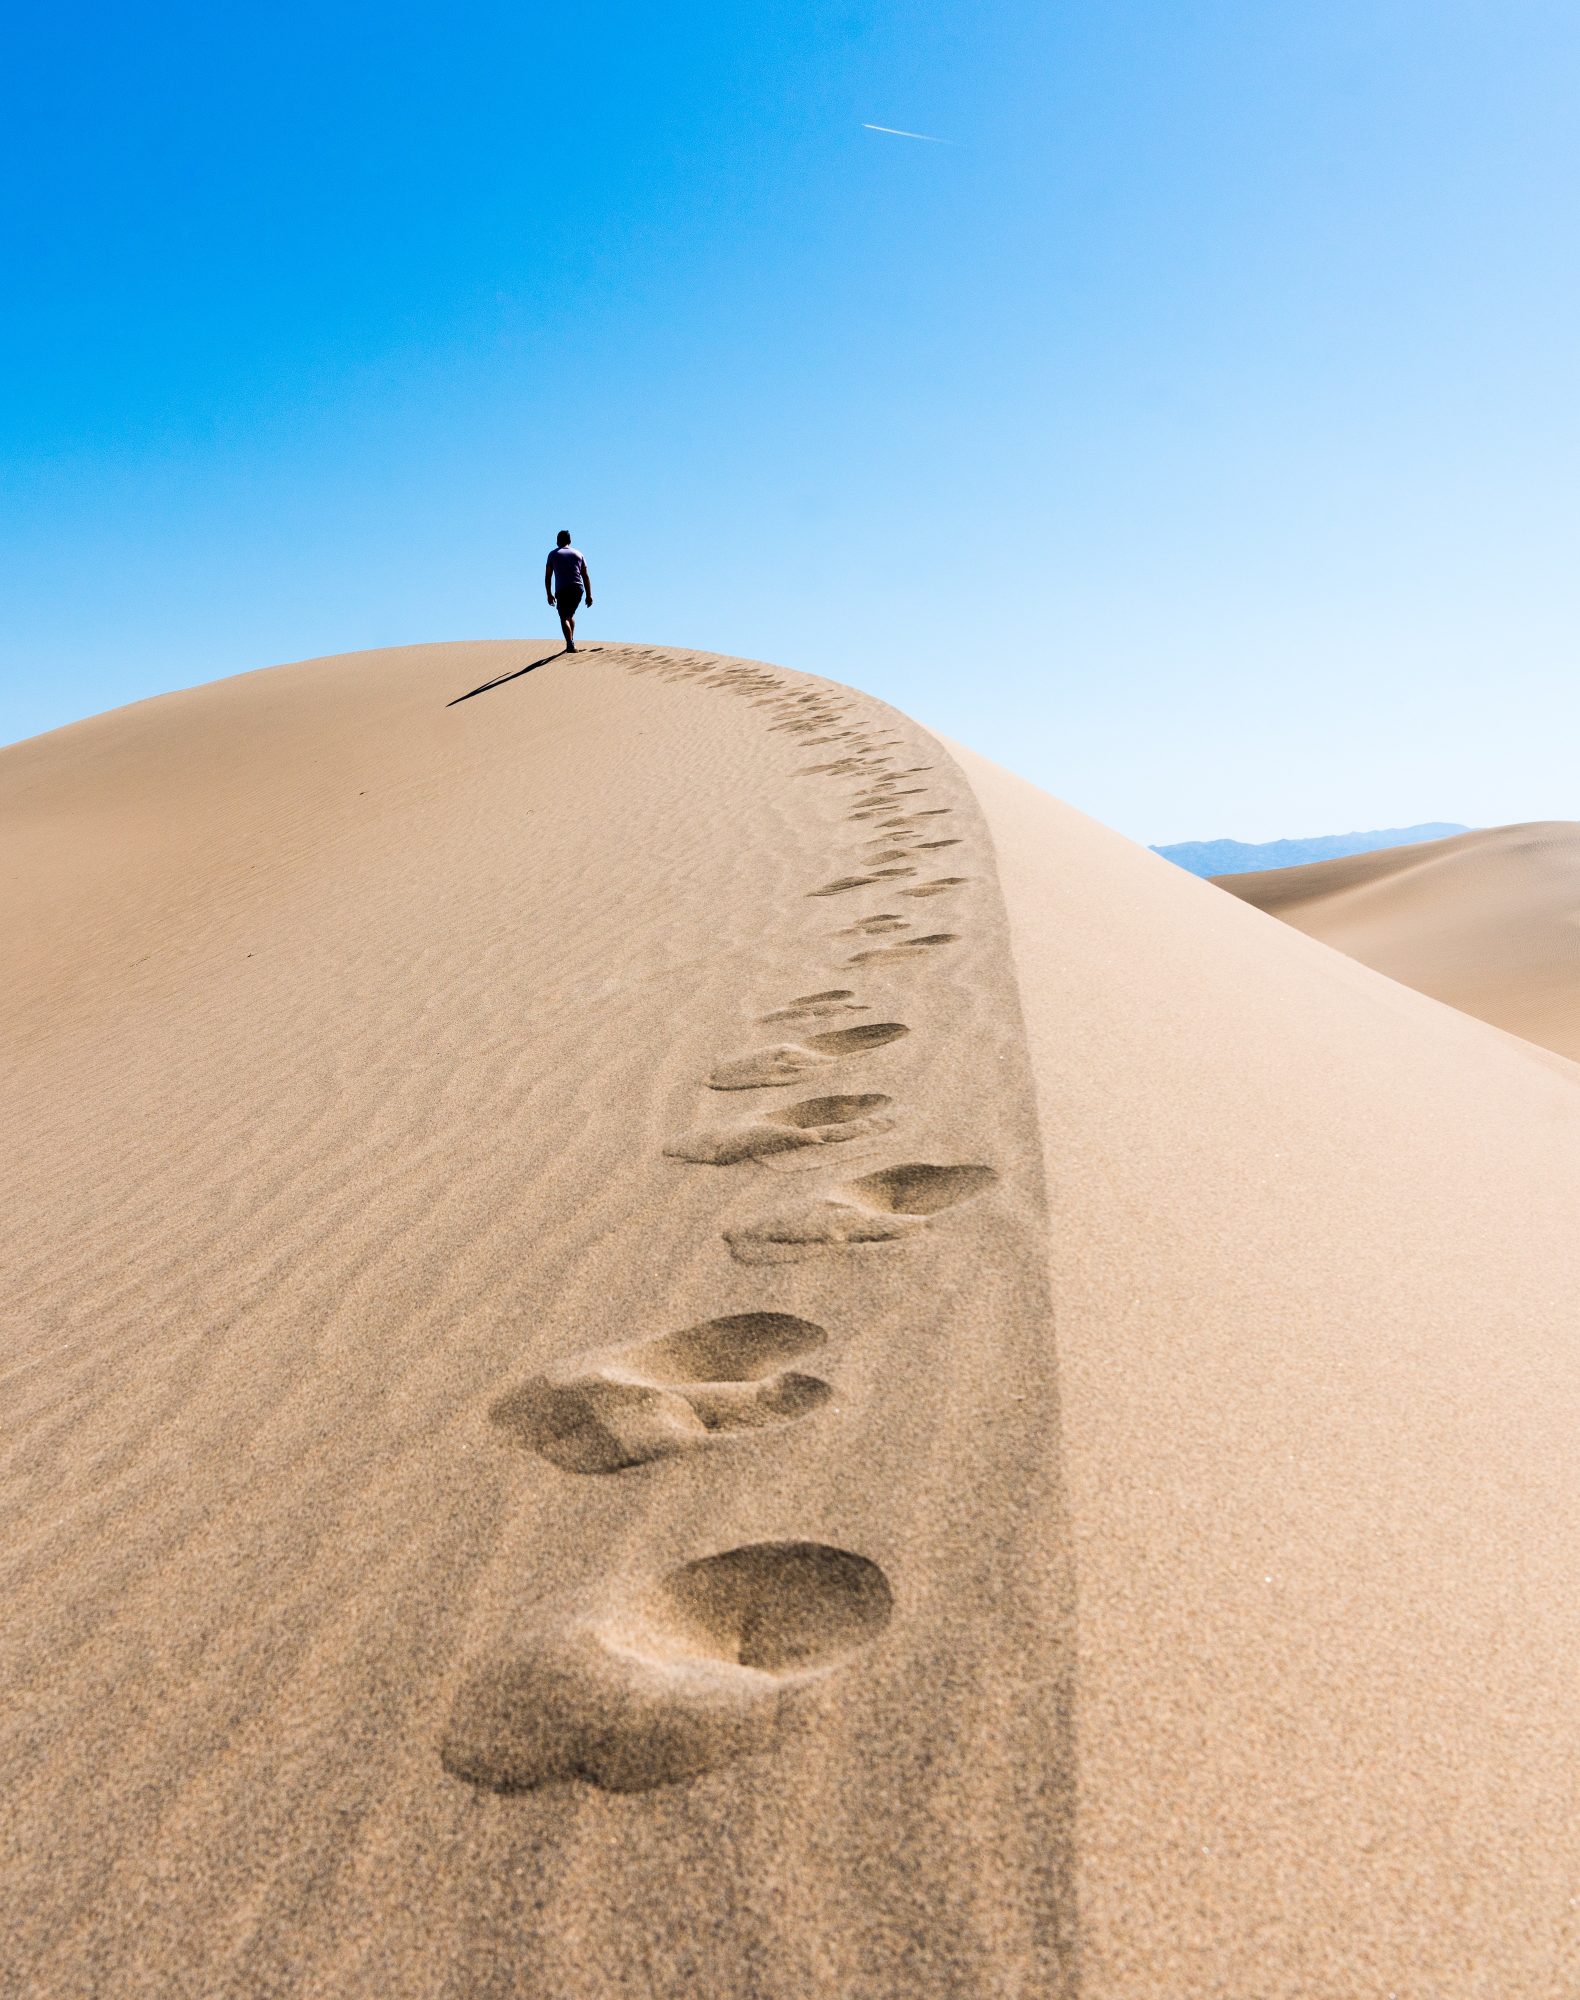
{"x": 1487, "y": 921}
{"x": 568, "y": 1436}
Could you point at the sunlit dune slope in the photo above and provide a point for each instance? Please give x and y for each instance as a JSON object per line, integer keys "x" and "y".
{"x": 661, "y": 1338}
{"x": 1488, "y": 921}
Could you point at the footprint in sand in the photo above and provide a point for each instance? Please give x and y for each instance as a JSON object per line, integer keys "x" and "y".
{"x": 933, "y": 845}
{"x": 885, "y": 795}
{"x": 817, "y": 1006}
{"x": 815, "y": 1121}
{"x": 845, "y": 883}
{"x": 789, "y": 1062}
{"x": 714, "y": 1661}
{"x": 604, "y": 1411}
{"x": 879, "y": 923}
{"x": 877, "y": 1208}
{"x": 905, "y": 948}
{"x": 937, "y": 886}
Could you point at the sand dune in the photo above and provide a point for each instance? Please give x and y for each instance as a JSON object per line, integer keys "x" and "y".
{"x": 1488, "y": 921}
{"x": 664, "y": 1339}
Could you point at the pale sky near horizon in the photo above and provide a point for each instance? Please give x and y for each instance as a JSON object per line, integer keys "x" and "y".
{"x": 1196, "y": 433}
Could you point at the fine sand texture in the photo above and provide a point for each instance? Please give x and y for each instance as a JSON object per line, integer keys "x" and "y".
{"x": 532, "y": 1453}
{"x": 662, "y": 1338}
{"x": 1315, "y": 1280}
{"x": 1487, "y": 921}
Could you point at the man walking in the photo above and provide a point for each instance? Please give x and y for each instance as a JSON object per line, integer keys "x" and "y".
{"x": 565, "y": 581}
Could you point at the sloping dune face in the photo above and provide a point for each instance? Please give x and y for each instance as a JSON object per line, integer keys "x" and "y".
{"x": 661, "y": 1339}
{"x": 1488, "y": 921}
{"x": 1315, "y": 1270}
{"x": 531, "y": 1451}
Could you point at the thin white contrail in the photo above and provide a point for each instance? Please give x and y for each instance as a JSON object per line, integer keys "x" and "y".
{"x": 894, "y": 132}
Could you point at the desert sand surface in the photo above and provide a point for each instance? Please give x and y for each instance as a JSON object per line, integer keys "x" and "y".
{"x": 1487, "y": 921}
{"x": 664, "y": 1338}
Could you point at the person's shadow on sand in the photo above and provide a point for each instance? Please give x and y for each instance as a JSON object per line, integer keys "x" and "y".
{"x": 516, "y": 673}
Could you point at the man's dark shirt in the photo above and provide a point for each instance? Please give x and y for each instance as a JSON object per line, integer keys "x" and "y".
{"x": 569, "y": 571}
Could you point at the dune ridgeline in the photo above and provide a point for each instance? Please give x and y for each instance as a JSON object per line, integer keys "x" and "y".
{"x": 662, "y": 1337}
{"x": 1486, "y": 922}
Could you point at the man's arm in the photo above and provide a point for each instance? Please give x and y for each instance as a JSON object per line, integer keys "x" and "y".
{"x": 586, "y": 581}
{"x": 548, "y": 574}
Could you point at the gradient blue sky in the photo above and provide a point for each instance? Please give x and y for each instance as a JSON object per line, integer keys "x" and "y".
{"x": 1196, "y": 435}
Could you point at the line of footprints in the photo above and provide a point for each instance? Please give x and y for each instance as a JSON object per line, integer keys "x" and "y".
{"x": 721, "y": 1657}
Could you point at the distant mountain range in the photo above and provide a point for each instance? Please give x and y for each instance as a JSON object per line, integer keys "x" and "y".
{"x": 1239, "y": 857}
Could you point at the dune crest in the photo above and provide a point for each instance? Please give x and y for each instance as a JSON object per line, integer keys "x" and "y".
{"x": 598, "y": 1403}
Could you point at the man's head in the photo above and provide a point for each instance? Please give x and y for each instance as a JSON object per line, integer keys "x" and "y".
{"x": 563, "y": 539}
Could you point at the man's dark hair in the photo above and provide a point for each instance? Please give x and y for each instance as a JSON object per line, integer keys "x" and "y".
{"x": 562, "y": 539}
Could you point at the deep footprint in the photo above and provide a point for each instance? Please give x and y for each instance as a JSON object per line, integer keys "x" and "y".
{"x": 877, "y": 1208}
{"x": 602, "y": 1412}
{"x": 714, "y": 1661}
{"x": 789, "y": 1062}
{"x": 816, "y": 1121}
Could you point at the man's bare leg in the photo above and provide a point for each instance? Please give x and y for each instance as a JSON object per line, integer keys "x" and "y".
{"x": 568, "y": 627}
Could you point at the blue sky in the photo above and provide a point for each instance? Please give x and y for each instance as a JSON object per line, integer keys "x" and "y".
{"x": 1197, "y": 434}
